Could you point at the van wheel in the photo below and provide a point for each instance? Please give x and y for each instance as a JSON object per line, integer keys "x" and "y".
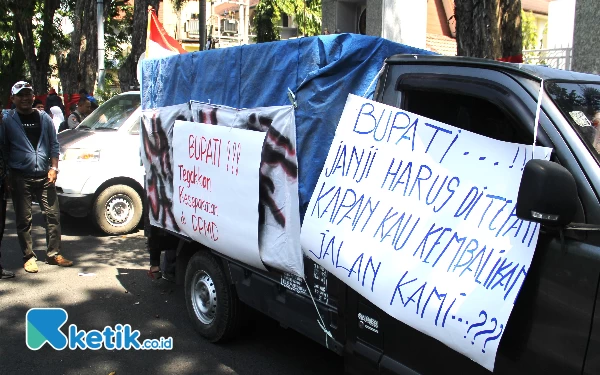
{"x": 117, "y": 209}
{"x": 212, "y": 303}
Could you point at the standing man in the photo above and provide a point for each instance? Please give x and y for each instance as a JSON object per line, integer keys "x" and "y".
{"x": 84, "y": 107}
{"x": 4, "y": 274}
{"x": 32, "y": 149}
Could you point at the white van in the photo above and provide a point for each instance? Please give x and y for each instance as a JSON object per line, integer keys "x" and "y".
{"x": 100, "y": 170}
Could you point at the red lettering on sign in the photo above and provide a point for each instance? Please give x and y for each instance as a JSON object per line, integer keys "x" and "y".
{"x": 205, "y": 150}
{"x": 207, "y": 228}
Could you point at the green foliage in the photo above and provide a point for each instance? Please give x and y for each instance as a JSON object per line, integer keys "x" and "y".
{"x": 103, "y": 95}
{"x": 529, "y": 29}
{"x": 117, "y": 33}
{"x": 12, "y": 60}
{"x": 266, "y": 16}
{"x": 178, "y": 4}
{"x": 61, "y": 41}
{"x": 306, "y": 14}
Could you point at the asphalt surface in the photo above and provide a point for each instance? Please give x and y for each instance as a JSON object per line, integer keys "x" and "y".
{"x": 108, "y": 285}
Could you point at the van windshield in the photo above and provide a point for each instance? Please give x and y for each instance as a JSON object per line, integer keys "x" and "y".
{"x": 112, "y": 114}
{"x": 580, "y": 102}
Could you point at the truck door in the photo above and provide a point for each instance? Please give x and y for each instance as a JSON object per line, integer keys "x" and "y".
{"x": 549, "y": 328}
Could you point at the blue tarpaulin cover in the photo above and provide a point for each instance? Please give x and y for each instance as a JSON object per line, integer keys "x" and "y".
{"x": 321, "y": 71}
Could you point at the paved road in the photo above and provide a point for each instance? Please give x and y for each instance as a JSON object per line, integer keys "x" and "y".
{"x": 117, "y": 290}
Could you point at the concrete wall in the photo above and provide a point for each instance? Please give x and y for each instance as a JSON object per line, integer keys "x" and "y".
{"x": 561, "y": 23}
{"x": 346, "y": 17}
{"x": 328, "y": 14}
{"x": 375, "y": 17}
{"x": 586, "y": 39}
{"x": 541, "y": 24}
{"x": 403, "y": 21}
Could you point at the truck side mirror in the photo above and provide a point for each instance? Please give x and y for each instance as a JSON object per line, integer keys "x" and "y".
{"x": 547, "y": 194}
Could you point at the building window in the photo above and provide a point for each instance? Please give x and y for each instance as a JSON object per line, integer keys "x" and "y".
{"x": 284, "y": 20}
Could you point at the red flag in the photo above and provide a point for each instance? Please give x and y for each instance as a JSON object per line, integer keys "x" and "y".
{"x": 159, "y": 43}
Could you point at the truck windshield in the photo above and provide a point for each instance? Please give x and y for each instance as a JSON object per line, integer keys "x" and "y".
{"x": 112, "y": 114}
{"x": 580, "y": 102}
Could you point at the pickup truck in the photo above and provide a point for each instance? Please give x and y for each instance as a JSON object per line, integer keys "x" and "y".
{"x": 554, "y": 327}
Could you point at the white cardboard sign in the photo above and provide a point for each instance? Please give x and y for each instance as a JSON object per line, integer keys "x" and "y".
{"x": 215, "y": 184}
{"x": 419, "y": 218}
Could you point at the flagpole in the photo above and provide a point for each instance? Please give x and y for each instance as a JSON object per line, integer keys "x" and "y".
{"x": 150, "y": 13}
{"x": 202, "y": 24}
{"x": 100, "y": 21}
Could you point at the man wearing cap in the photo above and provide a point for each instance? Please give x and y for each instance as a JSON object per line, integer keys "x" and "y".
{"x": 83, "y": 109}
{"x": 32, "y": 152}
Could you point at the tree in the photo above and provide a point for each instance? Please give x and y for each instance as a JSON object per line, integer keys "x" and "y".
{"x": 306, "y": 14}
{"x": 38, "y": 24}
{"x": 118, "y": 24}
{"x": 68, "y": 66}
{"x": 77, "y": 53}
{"x": 511, "y": 33}
{"x": 128, "y": 71}
{"x": 530, "y": 35}
{"x": 37, "y": 46}
{"x": 265, "y": 16}
{"x": 12, "y": 58}
{"x": 488, "y": 28}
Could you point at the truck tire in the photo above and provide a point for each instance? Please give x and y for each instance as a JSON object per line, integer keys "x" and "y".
{"x": 117, "y": 209}
{"x": 212, "y": 303}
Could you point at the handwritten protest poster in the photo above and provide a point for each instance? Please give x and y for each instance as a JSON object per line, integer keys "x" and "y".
{"x": 419, "y": 218}
{"x": 216, "y": 181}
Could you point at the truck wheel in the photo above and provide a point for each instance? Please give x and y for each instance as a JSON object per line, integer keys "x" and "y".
{"x": 117, "y": 209}
{"x": 212, "y": 303}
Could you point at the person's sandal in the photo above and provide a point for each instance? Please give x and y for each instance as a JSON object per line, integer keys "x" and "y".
{"x": 31, "y": 265}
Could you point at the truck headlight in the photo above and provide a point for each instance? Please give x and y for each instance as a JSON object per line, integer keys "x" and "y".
{"x": 81, "y": 154}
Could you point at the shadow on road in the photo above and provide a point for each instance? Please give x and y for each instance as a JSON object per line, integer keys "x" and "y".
{"x": 107, "y": 286}
{"x": 157, "y": 309}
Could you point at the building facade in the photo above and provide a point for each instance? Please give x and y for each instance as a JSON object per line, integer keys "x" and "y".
{"x": 228, "y": 23}
{"x": 419, "y": 23}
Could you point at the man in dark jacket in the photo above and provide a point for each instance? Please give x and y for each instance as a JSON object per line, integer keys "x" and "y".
{"x": 32, "y": 149}
{"x": 54, "y": 100}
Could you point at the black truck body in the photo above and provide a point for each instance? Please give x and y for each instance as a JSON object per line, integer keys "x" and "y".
{"x": 555, "y": 324}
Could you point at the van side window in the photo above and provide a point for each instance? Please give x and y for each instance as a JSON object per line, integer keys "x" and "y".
{"x": 465, "y": 112}
{"x": 135, "y": 128}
